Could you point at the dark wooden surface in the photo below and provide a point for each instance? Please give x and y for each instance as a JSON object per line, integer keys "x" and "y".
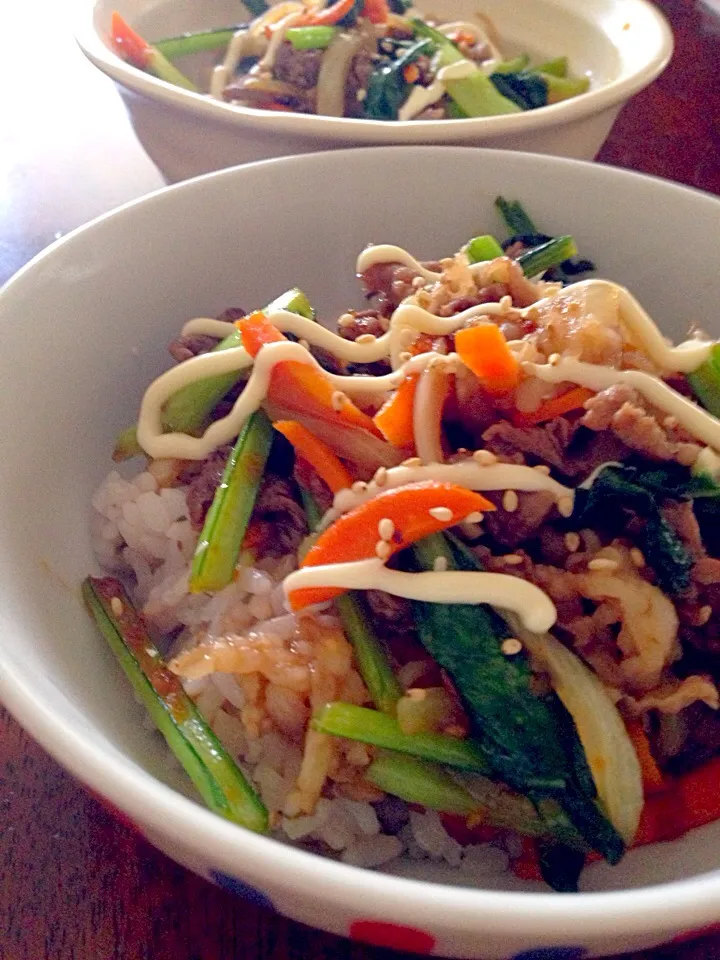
{"x": 76, "y": 884}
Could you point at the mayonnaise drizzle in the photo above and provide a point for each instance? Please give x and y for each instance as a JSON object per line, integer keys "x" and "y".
{"x": 422, "y": 97}
{"x": 389, "y": 253}
{"x": 535, "y": 609}
{"x": 157, "y": 444}
{"x": 684, "y": 358}
{"x": 466, "y": 473}
{"x": 695, "y": 420}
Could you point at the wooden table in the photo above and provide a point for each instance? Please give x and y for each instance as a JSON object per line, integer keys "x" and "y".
{"x": 77, "y": 885}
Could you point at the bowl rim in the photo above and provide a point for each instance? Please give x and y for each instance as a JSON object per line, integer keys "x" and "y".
{"x": 341, "y": 129}
{"x": 664, "y": 908}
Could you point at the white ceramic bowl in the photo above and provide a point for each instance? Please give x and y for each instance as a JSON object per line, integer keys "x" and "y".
{"x": 103, "y": 304}
{"x": 622, "y": 44}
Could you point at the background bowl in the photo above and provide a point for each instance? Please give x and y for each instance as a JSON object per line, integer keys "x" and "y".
{"x": 622, "y": 44}
{"x": 104, "y": 302}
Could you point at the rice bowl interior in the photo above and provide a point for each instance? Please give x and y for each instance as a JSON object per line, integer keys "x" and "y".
{"x": 77, "y": 680}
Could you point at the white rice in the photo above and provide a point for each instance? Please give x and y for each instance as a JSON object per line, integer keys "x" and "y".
{"x": 144, "y": 531}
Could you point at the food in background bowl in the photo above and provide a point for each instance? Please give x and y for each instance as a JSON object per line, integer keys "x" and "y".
{"x": 365, "y": 59}
{"x": 440, "y": 582}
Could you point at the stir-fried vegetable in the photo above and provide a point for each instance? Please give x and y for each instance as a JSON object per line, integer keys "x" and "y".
{"x": 131, "y": 47}
{"x": 387, "y": 87}
{"x": 413, "y": 511}
{"x": 327, "y": 16}
{"x": 617, "y": 489}
{"x": 705, "y": 382}
{"x": 547, "y": 255}
{"x": 204, "y": 40}
{"x": 417, "y": 781}
{"x": 300, "y": 386}
{"x": 395, "y": 418}
{"x": 188, "y": 410}
{"x": 610, "y": 754}
{"x": 370, "y": 653}
{"x": 310, "y": 38}
{"x": 218, "y": 546}
{"x": 216, "y": 776}
{"x": 484, "y": 350}
{"x": 572, "y": 399}
{"x": 381, "y": 730}
{"x": 327, "y": 466}
{"x": 526, "y": 738}
{"x": 474, "y": 93}
{"x": 483, "y": 248}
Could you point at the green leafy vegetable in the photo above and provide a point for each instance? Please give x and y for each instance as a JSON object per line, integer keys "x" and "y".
{"x": 516, "y": 65}
{"x": 387, "y": 88}
{"x": 217, "y": 777}
{"x": 558, "y": 67}
{"x": 256, "y": 7}
{"x": 617, "y": 489}
{"x": 547, "y": 255}
{"x": 516, "y": 219}
{"x": 476, "y": 95}
{"x": 529, "y": 740}
{"x": 564, "y": 88}
{"x": 527, "y": 90}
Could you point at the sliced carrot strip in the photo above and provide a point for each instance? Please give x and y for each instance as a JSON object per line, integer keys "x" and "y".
{"x": 484, "y": 350}
{"x": 395, "y": 418}
{"x": 328, "y": 16}
{"x": 325, "y": 463}
{"x": 572, "y": 399}
{"x": 377, "y": 11}
{"x": 411, "y": 72}
{"x": 652, "y": 777}
{"x": 128, "y": 44}
{"x": 299, "y": 386}
{"x": 354, "y": 535}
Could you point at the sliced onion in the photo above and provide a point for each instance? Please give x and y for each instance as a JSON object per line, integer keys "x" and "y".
{"x": 610, "y": 754}
{"x": 351, "y": 443}
{"x": 432, "y": 392}
{"x": 333, "y": 73}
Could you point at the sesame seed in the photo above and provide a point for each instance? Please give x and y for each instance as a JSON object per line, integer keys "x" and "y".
{"x": 443, "y": 514}
{"x": 511, "y": 646}
{"x": 703, "y": 615}
{"x": 554, "y": 359}
{"x": 116, "y": 605}
{"x": 670, "y": 422}
{"x": 440, "y": 564}
{"x": 386, "y": 529}
{"x": 382, "y": 549}
{"x": 506, "y": 303}
{"x": 412, "y": 462}
{"x": 565, "y": 506}
{"x": 510, "y": 501}
{"x": 338, "y": 400}
{"x": 361, "y": 95}
{"x": 366, "y": 338}
{"x": 541, "y": 468}
{"x": 512, "y": 559}
{"x": 603, "y": 563}
{"x": 418, "y": 283}
{"x": 304, "y": 344}
{"x": 572, "y": 541}
{"x": 404, "y": 356}
{"x": 359, "y": 486}
{"x": 346, "y": 320}
{"x": 475, "y": 517}
{"x": 485, "y": 458}
{"x": 416, "y": 693}
{"x": 637, "y": 557}
{"x": 380, "y": 477}
{"x": 463, "y": 451}
{"x": 471, "y": 530}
